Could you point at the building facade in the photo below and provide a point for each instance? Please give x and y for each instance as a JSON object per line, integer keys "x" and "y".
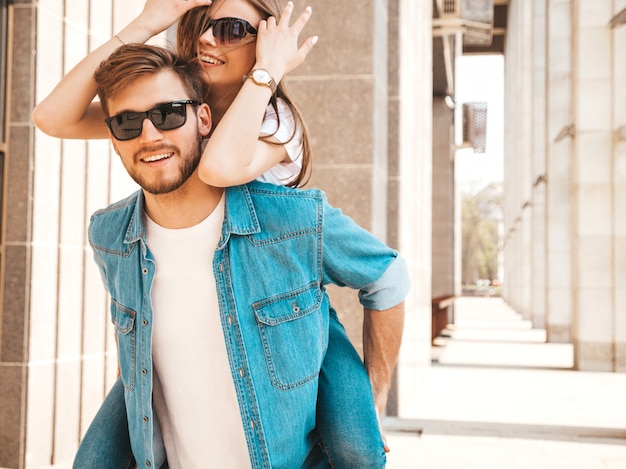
{"x": 366, "y": 91}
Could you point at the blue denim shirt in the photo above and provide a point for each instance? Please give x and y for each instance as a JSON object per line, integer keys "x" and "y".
{"x": 278, "y": 250}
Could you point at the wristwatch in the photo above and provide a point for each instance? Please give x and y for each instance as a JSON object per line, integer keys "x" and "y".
{"x": 262, "y": 77}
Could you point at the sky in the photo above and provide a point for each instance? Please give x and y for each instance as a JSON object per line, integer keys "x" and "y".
{"x": 481, "y": 78}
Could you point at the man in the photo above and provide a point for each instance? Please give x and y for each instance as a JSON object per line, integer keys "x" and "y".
{"x": 218, "y": 295}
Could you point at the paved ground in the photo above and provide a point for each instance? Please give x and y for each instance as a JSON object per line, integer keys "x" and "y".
{"x": 499, "y": 397}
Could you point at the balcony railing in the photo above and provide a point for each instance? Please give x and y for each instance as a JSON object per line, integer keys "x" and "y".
{"x": 473, "y": 18}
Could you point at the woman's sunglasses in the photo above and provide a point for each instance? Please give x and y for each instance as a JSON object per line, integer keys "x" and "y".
{"x": 166, "y": 116}
{"x": 229, "y": 30}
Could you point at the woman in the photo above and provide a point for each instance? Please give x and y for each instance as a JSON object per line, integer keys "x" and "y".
{"x": 251, "y": 139}
{"x": 69, "y": 111}
{"x": 238, "y": 105}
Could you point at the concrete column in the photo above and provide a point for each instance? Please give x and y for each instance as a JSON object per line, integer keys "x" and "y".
{"x": 366, "y": 93}
{"x": 413, "y": 121}
{"x": 526, "y": 154}
{"x": 512, "y": 169}
{"x": 618, "y": 45}
{"x": 443, "y": 279}
{"x": 559, "y": 186}
{"x": 16, "y": 281}
{"x": 595, "y": 182}
{"x": 518, "y": 158}
{"x": 342, "y": 89}
{"x": 538, "y": 178}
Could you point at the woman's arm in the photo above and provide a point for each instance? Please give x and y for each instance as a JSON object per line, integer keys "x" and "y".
{"x": 69, "y": 111}
{"x": 234, "y": 153}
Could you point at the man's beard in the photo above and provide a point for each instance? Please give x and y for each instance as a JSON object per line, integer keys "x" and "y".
{"x": 187, "y": 168}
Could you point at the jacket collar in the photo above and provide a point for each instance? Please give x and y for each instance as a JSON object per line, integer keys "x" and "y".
{"x": 136, "y": 230}
{"x": 239, "y": 216}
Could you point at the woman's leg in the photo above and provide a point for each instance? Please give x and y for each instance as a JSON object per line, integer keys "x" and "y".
{"x": 346, "y": 417}
{"x": 106, "y": 444}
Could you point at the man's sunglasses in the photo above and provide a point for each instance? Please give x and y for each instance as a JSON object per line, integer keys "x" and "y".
{"x": 229, "y": 30}
{"x": 166, "y": 116}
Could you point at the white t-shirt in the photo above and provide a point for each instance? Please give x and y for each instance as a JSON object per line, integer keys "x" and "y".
{"x": 194, "y": 395}
{"x": 287, "y": 170}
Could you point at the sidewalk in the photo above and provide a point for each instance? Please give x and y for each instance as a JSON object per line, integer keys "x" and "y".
{"x": 499, "y": 397}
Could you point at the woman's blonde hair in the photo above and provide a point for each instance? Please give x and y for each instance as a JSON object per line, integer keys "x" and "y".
{"x": 193, "y": 24}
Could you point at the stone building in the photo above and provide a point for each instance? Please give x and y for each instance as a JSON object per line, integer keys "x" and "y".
{"x": 378, "y": 92}
{"x": 565, "y": 174}
{"x": 366, "y": 91}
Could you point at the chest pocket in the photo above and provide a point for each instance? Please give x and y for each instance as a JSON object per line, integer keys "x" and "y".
{"x": 292, "y": 334}
{"x": 124, "y": 320}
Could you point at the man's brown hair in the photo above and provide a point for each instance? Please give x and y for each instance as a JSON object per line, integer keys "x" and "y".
{"x": 133, "y": 61}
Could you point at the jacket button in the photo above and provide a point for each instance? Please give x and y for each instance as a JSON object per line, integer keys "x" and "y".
{"x": 295, "y": 307}
{"x": 144, "y": 371}
{"x": 145, "y": 419}
{"x": 241, "y": 372}
{"x": 148, "y": 464}
{"x": 145, "y": 271}
{"x": 144, "y": 322}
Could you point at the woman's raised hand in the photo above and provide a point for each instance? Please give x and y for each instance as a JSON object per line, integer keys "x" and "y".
{"x": 68, "y": 111}
{"x": 158, "y": 15}
{"x": 277, "y": 47}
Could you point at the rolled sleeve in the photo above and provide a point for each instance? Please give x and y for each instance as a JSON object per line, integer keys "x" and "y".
{"x": 389, "y": 290}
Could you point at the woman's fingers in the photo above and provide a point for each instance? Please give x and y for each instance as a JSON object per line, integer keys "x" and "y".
{"x": 302, "y": 20}
{"x": 285, "y": 16}
{"x": 298, "y": 25}
{"x": 306, "y": 47}
{"x": 277, "y": 42}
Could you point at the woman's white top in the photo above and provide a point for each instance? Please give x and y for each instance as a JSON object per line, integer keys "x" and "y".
{"x": 283, "y": 172}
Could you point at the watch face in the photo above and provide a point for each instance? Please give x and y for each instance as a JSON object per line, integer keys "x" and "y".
{"x": 261, "y": 76}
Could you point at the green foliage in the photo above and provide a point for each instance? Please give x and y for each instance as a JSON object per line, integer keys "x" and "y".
{"x": 480, "y": 215}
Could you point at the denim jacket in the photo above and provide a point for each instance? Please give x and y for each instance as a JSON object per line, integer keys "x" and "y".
{"x": 278, "y": 250}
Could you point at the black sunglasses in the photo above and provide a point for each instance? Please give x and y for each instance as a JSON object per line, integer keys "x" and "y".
{"x": 166, "y": 116}
{"x": 229, "y": 30}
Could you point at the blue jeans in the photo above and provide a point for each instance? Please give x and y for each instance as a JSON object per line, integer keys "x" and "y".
{"x": 347, "y": 425}
{"x": 106, "y": 444}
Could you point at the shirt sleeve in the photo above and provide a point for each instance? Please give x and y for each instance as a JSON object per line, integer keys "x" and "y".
{"x": 354, "y": 257}
{"x": 286, "y": 171}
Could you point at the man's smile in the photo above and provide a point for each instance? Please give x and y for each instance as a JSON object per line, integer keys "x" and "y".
{"x": 158, "y": 157}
